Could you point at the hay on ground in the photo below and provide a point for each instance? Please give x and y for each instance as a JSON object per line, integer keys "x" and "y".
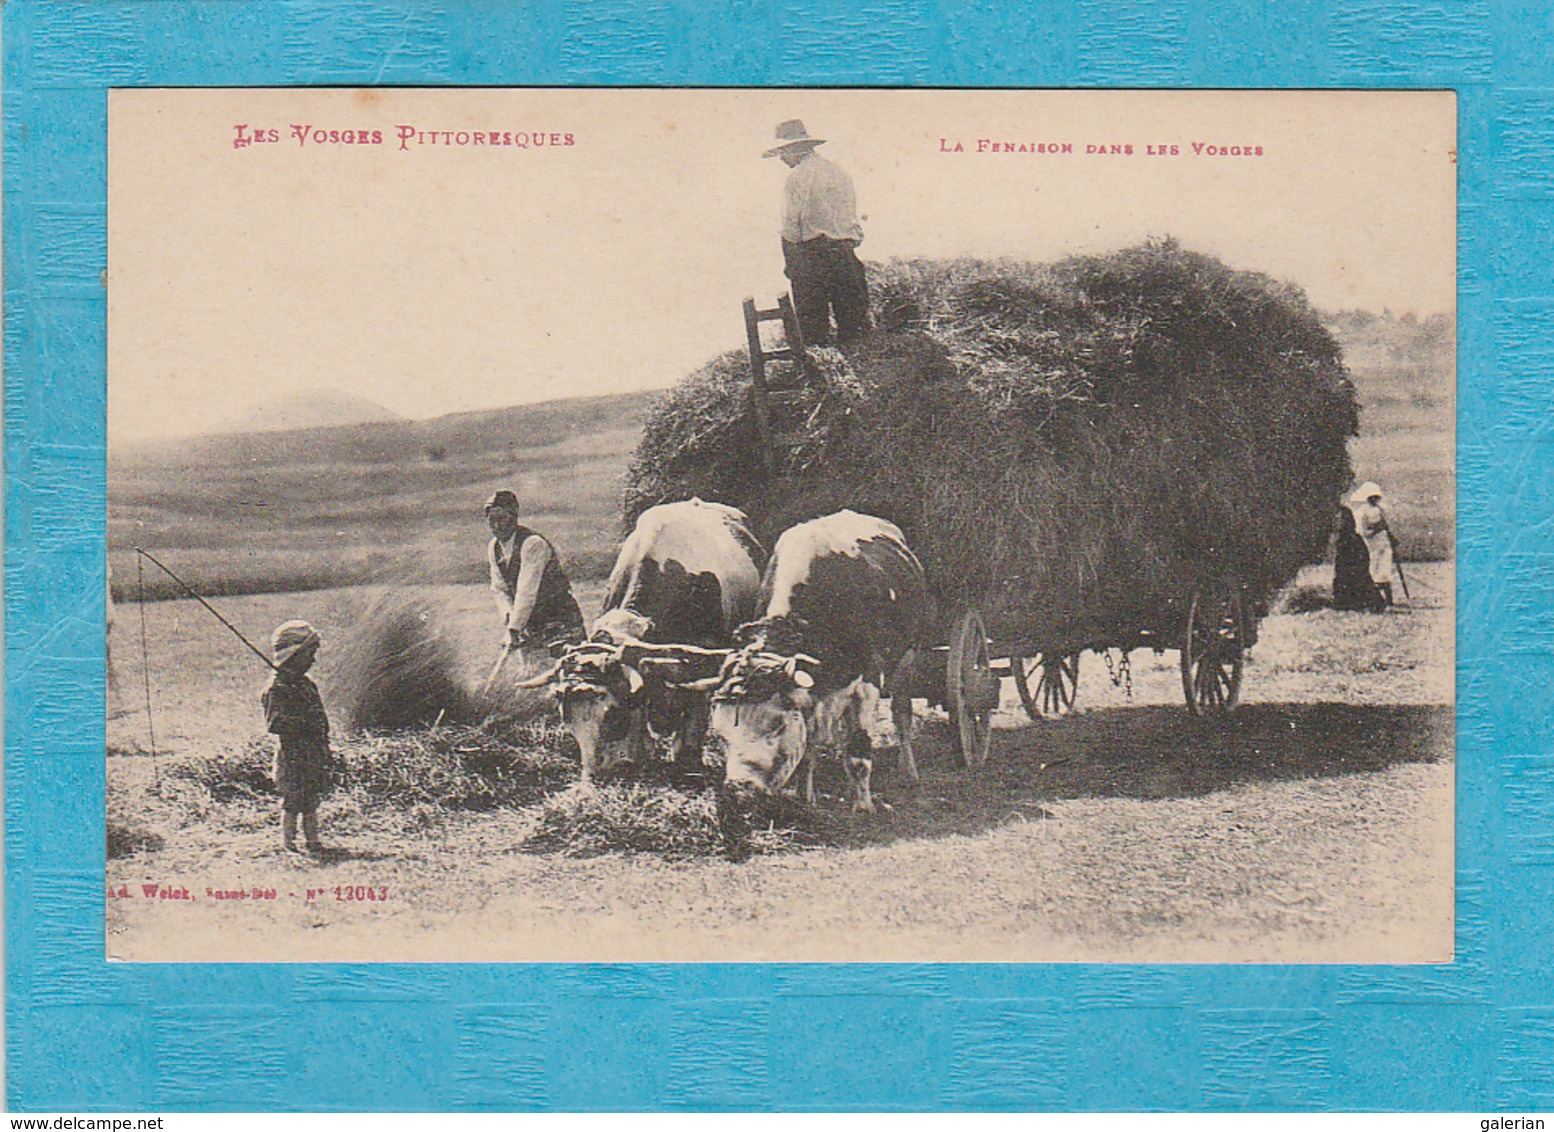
{"x": 1072, "y": 449}
{"x": 126, "y": 839}
{"x": 454, "y": 767}
{"x": 459, "y": 767}
{"x": 230, "y": 774}
{"x": 640, "y": 817}
{"x": 414, "y": 781}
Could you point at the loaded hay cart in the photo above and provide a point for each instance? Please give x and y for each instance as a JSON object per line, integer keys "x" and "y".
{"x": 1113, "y": 452}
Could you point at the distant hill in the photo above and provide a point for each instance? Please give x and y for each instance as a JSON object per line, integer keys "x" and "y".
{"x": 307, "y": 411}
{"x": 384, "y": 501}
{"x": 456, "y": 438}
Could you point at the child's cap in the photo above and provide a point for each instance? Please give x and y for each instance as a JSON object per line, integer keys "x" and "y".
{"x": 291, "y": 638}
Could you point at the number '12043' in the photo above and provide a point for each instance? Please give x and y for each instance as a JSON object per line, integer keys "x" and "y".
{"x": 361, "y": 892}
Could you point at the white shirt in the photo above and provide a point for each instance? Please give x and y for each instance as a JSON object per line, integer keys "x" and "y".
{"x": 818, "y": 200}
{"x": 517, "y": 606}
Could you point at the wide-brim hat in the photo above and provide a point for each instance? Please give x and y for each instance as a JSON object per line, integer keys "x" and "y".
{"x": 1366, "y": 492}
{"x": 290, "y": 638}
{"x": 502, "y": 501}
{"x": 792, "y": 135}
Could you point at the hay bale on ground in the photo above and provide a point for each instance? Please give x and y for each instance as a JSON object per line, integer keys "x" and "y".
{"x": 1071, "y": 448}
{"x": 397, "y": 669}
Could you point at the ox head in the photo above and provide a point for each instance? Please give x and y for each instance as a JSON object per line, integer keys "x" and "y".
{"x": 622, "y": 626}
{"x": 761, "y": 710}
{"x": 607, "y": 691}
{"x": 601, "y": 696}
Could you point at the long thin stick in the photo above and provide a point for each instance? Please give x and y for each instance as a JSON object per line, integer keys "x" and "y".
{"x": 501, "y": 662}
{"x": 184, "y": 585}
{"x": 1402, "y": 577}
{"x": 145, "y": 661}
{"x": 1418, "y": 581}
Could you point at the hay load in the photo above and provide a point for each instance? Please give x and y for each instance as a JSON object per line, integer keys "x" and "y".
{"x": 1071, "y": 448}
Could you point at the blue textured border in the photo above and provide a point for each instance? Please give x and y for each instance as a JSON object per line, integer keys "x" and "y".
{"x": 83, "y": 1034}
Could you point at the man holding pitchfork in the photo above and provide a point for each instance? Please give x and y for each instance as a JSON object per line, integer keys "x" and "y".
{"x": 532, "y": 592}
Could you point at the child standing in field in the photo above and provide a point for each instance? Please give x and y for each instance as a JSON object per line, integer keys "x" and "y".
{"x": 293, "y": 711}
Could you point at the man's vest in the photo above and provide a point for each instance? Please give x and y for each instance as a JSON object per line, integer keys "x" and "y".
{"x": 554, "y": 603}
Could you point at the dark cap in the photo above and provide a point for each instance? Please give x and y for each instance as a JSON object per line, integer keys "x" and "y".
{"x": 503, "y": 500}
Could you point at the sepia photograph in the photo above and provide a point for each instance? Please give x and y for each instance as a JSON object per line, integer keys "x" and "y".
{"x": 746, "y": 525}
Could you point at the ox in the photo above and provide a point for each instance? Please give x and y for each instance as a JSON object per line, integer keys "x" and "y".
{"x": 845, "y": 612}
{"x": 688, "y": 575}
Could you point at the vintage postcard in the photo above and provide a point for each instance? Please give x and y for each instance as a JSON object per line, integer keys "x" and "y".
{"x": 1052, "y": 560}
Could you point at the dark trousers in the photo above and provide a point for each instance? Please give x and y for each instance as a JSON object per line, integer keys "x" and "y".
{"x": 827, "y": 278}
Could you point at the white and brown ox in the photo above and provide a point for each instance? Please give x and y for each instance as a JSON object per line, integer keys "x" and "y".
{"x": 686, "y": 578}
{"x": 844, "y": 611}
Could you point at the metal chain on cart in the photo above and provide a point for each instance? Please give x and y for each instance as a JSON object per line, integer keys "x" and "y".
{"x": 1120, "y": 671}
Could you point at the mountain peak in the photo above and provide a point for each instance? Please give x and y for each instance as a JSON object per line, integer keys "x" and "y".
{"x": 284, "y": 414}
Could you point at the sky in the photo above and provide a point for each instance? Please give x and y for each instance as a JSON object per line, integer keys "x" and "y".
{"x": 433, "y": 277}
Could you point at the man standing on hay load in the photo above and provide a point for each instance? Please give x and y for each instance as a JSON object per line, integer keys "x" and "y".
{"x": 532, "y": 592}
{"x": 820, "y": 231}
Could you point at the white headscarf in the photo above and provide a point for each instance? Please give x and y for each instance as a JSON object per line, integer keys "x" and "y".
{"x": 1364, "y": 493}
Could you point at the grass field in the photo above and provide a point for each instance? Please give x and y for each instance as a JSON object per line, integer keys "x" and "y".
{"x": 399, "y": 502}
{"x": 1405, "y": 372}
{"x": 1313, "y": 825}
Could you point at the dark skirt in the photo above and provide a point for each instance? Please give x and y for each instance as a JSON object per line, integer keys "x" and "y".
{"x": 1352, "y": 585}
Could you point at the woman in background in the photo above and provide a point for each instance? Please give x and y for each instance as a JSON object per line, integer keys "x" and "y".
{"x": 1363, "y": 563}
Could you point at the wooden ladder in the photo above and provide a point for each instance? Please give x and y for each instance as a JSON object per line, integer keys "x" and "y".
{"x": 775, "y": 396}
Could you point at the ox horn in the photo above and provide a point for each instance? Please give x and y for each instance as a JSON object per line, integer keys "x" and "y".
{"x": 665, "y": 665}
{"x": 799, "y": 676}
{"x": 711, "y": 683}
{"x": 670, "y": 656}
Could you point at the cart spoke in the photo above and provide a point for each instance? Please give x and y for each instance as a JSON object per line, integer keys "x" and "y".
{"x": 1047, "y": 683}
{"x": 972, "y": 687}
{"x": 1213, "y": 650}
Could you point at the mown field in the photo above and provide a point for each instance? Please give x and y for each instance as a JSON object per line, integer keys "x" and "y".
{"x": 1314, "y": 825}
{"x": 399, "y": 503}
{"x": 1405, "y": 372}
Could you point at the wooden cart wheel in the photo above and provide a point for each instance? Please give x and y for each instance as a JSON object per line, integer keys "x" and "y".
{"x": 972, "y": 687}
{"x": 1047, "y": 684}
{"x": 1213, "y": 653}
